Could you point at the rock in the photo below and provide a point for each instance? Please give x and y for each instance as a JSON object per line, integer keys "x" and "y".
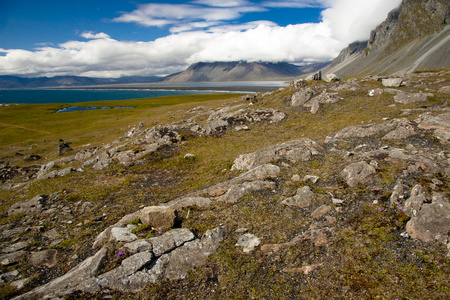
{"x": 122, "y": 235}
{"x": 362, "y": 131}
{"x": 16, "y": 247}
{"x": 75, "y": 277}
{"x": 138, "y": 246}
{"x": 21, "y": 283}
{"x": 320, "y": 211}
{"x": 241, "y": 127}
{"x": 315, "y": 76}
{"x": 248, "y": 242}
{"x": 392, "y": 82}
{"x": 9, "y": 275}
{"x": 158, "y": 216}
{"x": 185, "y": 202}
{"x": 311, "y": 178}
{"x": 440, "y": 124}
{"x": 170, "y": 240}
{"x": 414, "y": 203}
{"x": 445, "y": 89}
{"x": 85, "y": 154}
{"x": 44, "y": 258}
{"x": 33, "y": 206}
{"x": 136, "y": 262}
{"x": 356, "y": 173}
{"x": 32, "y": 157}
{"x": 407, "y": 98}
{"x": 193, "y": 254}
{"x": 295, "y": 178}
{"x": 52, "y": 234}
{"x": 302, "y": 199}
{"x": 237, "y": 191}
{"x": 64, "y": 147}
{"x": 403, "y": 130}
{"x": 12, "y": 258}
{"x": 302, "y": 96}
{"x": 304, "y": 270}
{"x": 432, "y": 222}
{"x": 189, "y": 156}
{"x": 331, "y": 77}
{"x": 295, "y": 151}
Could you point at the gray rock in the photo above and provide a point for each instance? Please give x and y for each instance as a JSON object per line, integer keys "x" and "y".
{"x": 432, "y": 222}
{"x": 361, "y": 131}
{"x": 445, "y": 89}
{"x": 302, "y": 198}
{"x": 71, "y": 280}
{"x": 414, "y": 203}
{"x": 12, "y": 258}
{"x": 136, "y": 262}
{"x": 331, "y": 77}
{"x": 16, "y": 247}
{"x": 302, "y": 96}
{"x": 186, "y": 202}
{"x": 237, "y": 191}
{"x": 170, "y": 240}
{"x": 138, "y": 246}
{"x": 158, "y": 216}
{"x": 311, "y": 178}
{"x": 122, "y": 235}
{"x": 44, "y": 258}
{"x": 295, "y": 151}
{"x": 315, "y": 76}
{"x": 440, "y": 124}
{"x": 248, "y": 242}
{"x": 320, "y": 211}
{"x": 9, "y": 275}
{"x": 21, "y": 283}
{"x": 407, "y": 98}
{"x": 34, "y": 206}
{"x": 356, "y": 173}
{"x": 392, "y": 82}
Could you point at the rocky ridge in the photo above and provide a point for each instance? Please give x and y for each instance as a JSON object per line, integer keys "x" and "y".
{"x": 399, "y": 167}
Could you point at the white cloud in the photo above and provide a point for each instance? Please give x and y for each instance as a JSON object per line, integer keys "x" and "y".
{"x": 102, "y": 56}
{"x": 352, "y": 20}
{"x": 181, "y": 15}
{"x": 90, "y": 35}
{"x": 223, "y": 3}
{"x": 298, "y": 3}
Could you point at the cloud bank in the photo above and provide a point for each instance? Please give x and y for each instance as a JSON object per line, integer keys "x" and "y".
{"x": 201, "y": 31}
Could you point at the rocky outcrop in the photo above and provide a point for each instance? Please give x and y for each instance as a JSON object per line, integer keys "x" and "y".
{"x": 297, "y": 150}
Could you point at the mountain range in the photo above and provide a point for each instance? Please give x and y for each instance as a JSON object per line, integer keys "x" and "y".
{"x": 414, "y": 37}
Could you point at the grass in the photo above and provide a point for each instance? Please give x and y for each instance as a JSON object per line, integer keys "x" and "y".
{"x": 366, "y": 258}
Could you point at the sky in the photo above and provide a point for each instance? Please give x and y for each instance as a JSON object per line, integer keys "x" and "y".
{"x": 112, "y": 38}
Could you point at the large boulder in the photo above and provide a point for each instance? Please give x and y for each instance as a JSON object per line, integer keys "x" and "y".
{"x": 295, "y": 151}
{"x": 408, "y": 98}
{"x": 357, "y": 173}
{"x": 158, "y": 216}
{"x": 34, "y": 206}
{"x": 440, "y": 124}
{"x": 237, "y": 191}
{"x": 302, "y": 96}
{"x": 432, "y": 222}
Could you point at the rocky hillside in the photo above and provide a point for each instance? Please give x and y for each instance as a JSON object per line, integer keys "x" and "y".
{"x": 241, "y": 71}
{"x": 317, "y": 191}
{"x": 415, "y": 37}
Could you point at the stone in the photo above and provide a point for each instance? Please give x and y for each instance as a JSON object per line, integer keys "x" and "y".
{"x": 16, "y": 247}
{"x": 311, "y": 178}
{"x": 9, "y": 275}
{"x": 33, "y": 206}
{"x": 331, "y": 77}
{"x": 302, "y": 96}
{"x": 71, "y": 280}
{"x": 136, "y": 262}
{"x": 320, "y": 211}
{"x": 237, "y": 191}
{"x": 302, "y": 199}
{"x": 138, "y": 246}
{"x": 185, "y": 202}
{"x": 64, "y": 147}
{"x": 122, "y": 235}
{"x": 304, "y": 270}
{"x": 315, "y": 76}
{"x": 392, "y": 82}
{"x": 414, "y": 202}
{"x": 408, "y": 98}
{"x": 21, "y": 283}
{"x": 357, "y": 173}
{"x": 440, "y": 124}
{"x": 248, "y": 242}
{"x": 170, "y": 240}
{"x": 158, "y": 216}
{"x": 432, "y": 222}
{"x": 44, "y": 258}
{"x": 12, "y": 258}
{"x": 295, "y": 151}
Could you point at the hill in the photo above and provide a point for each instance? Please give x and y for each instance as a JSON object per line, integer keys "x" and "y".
{"x": 15, "y": 82}
{"x": 415, "y": 37}
{"x": 241, "y": 71}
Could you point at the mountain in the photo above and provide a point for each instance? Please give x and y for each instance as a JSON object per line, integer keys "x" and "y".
{"x": 414, "y": 37}
{"x": 240, "y": 71}
{"x": 14, "y": 82}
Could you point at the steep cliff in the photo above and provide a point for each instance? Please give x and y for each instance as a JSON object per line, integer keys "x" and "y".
{"x": 414, "y": 37}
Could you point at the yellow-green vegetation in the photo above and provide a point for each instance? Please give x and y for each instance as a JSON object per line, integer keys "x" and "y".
{"x": 365, "y": 257}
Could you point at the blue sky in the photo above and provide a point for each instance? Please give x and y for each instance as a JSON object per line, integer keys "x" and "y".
{"x": 119, "y": 38}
